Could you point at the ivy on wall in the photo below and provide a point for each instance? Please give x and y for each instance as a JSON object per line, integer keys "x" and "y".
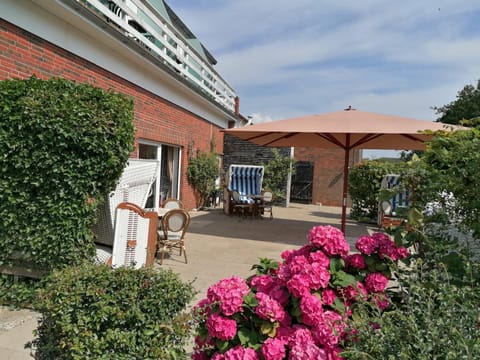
{"x": 63, "y": 146}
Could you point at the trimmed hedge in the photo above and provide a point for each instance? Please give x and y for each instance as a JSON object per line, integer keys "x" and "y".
{"x": 63, "y": 146}
{"x": 94, "y": 312}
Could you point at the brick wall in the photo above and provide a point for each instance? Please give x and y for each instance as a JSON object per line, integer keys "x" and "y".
{"x": 22, "y": 54}
{"x": 327, "y": 185}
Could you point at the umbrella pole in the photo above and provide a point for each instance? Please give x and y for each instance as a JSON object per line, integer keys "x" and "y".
{"x": 345, "y": 183}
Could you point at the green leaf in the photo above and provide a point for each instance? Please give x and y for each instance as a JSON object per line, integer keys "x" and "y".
{"x": 250, "y": 300}
{"x": 342, "y": 279}
{"x": 269, "y": 328}
{"x": 336, "y": 264}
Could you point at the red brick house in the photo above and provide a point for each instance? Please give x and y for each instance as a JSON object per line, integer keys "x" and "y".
{"x": 137, "y": 47}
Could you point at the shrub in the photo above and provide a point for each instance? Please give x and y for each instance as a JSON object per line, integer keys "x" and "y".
{"x": 276, "y": 173}
{"x": 202, "y": 172}
{"x": 19, "y": 292}
{"x": 433, "y": 319}
{"x": 364, "y": 181}
{"x": 94, "y": 312}
{"x": 63, "y": 146}
{"x": 453, "y": 163}
{"x": 297, "y": 309}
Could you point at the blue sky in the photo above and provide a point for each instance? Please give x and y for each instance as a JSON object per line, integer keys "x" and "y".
{"x": 293, "y": 58}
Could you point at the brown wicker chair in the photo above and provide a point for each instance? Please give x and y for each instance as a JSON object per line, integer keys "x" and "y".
{"x": 172, "y": 203}
{"x": 266, "y": 205}
{"x": 172, "y": 234}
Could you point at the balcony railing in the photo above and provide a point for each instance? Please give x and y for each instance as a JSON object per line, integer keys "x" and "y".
{"x": 148, "y": 26}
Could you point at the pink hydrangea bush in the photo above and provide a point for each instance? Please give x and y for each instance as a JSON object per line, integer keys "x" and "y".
{"x": 298, "y": 309}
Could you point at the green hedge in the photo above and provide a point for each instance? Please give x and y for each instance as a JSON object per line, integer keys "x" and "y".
{"x": 94, "y": 312}
{"x": 63, "y": 145}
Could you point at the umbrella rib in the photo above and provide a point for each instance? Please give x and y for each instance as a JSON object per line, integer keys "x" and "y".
{"x": 365, "y": 139}
{"x": 260, "y": 136}
{"x": 411, "y": 137}
{"x": 332, "y": 139}
{"x": 280, "y": 138}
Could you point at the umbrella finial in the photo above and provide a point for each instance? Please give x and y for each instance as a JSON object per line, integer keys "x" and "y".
{"x": 349, "y": 108}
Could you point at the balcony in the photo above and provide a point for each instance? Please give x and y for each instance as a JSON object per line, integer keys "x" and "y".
{"x": 158, "y": 31}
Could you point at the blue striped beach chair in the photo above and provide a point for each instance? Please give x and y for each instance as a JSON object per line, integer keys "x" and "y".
{"x": 388, "y": 209}
{"x": 247, "y": 181}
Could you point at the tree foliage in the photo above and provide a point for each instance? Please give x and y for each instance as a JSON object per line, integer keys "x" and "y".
{"x": 465, "y": 107}
{"x": 453, "y": 164}
{"x": 276, "y": 173}
{"x": 63, "y": 146}
{"x": 364, "y": 181}
{"x": 202, "y": 172}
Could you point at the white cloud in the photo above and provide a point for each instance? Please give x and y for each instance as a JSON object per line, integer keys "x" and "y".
{"x": 292, "y": 58}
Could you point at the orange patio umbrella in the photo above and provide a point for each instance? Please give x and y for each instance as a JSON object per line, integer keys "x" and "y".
{"x": 348, "y": 130}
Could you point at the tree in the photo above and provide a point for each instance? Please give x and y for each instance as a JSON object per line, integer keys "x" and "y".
{"x": 453, "y": 163}
{"x": 465, "y": 107}
{"x": 202, "y": 172}
{"x": 276, "y": 173}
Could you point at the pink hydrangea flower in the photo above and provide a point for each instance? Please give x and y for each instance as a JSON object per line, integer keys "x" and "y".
{"x": 273, "y": 349}
{"x": 263, "y": 283}
{"x": 287, "y": 253}
{"x": 300, "y": 335}
{"x": 312, "y": 310}
{"x": 297, "y": 264}
{"x": 330, "y": 330}
{"x": 318, "y": 276}
{"x": 380, "y": 237}
{"x": 366, "y": 245}
{"x": 309, "y": 352}
{"x": 325, "y": 335}
{"x": 330, "y": 239}
{"x": 402, "y": 252}
{"x": 388, "y": 249}
{"x": 284, "y": 332}
{"x": 283, "y": 272}
{"x": 202, "y": 308}
{"x": 218, "y": 356}
{"x": 221, "y": 328}
{"x": 299, "y": 285}
{"x": 356, "y": 261}
{"x": 279, "y": 293}
{"x": 349, "y": 293}
{"x": 382, "y": 301}
{"x": 269, "y": 309}
{"x": 333, "y": 353}
{"x": 320, "y": 257}
{"x": 228, "y": 293}
{"x": 328, "y": 296}
{"x": 376, "y": 282}
{"x": 240, "y": 353}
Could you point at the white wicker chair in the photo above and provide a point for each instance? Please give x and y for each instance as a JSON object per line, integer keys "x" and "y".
{"x": 133, "y": 187}
{"x": 135, "y": 236}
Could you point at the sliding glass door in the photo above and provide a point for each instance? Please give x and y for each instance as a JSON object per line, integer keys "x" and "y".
{"x": 167, "y": 184}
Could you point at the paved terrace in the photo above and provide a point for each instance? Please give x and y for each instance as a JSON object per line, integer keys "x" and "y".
{"x": 218, "y": 246}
